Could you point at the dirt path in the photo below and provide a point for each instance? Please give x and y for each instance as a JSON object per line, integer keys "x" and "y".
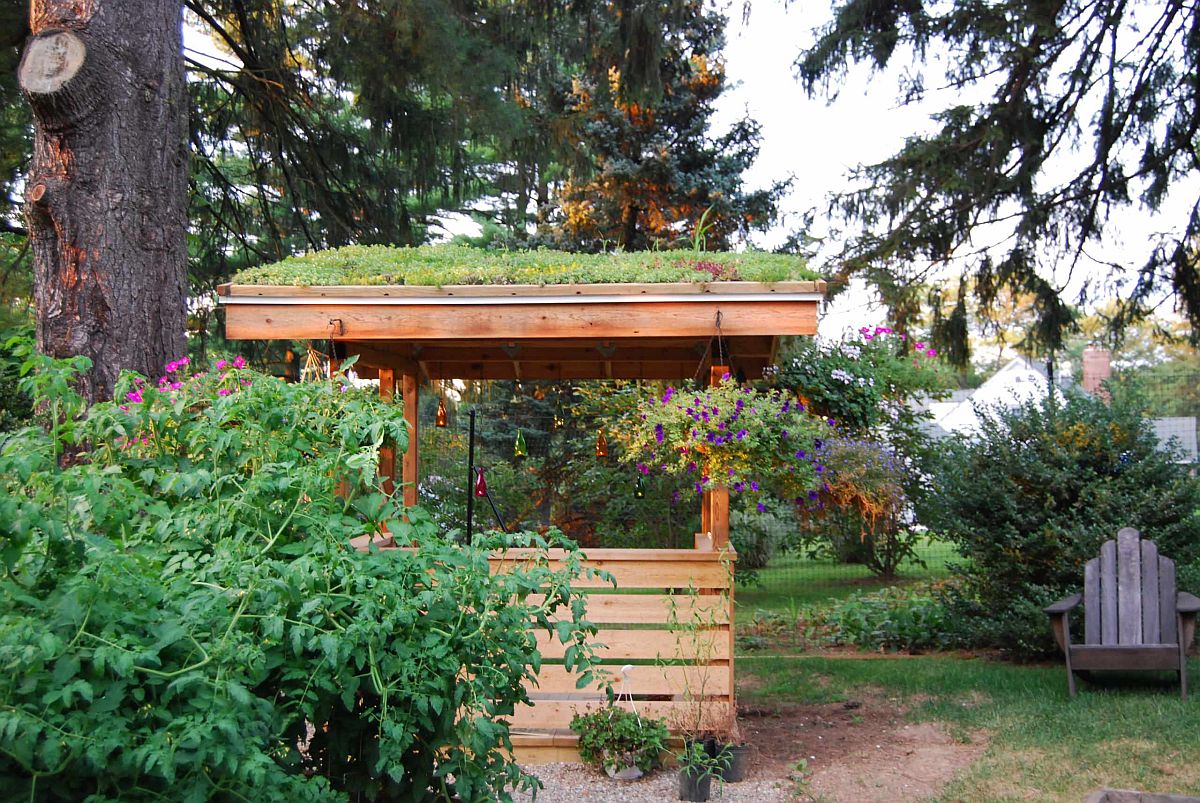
{"x": 860, "y": 750}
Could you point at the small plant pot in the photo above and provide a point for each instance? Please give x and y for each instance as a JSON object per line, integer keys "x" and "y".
{"x": 736, "y": 763}
{"x": 694, "y": 784}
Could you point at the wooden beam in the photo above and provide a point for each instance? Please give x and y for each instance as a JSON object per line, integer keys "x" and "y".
{"x": 410, "y": 470}
{"x": 519, "y": 321}
{"x": 387, "y": 454}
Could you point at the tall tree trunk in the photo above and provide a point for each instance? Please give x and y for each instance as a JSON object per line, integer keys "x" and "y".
{"x": 107, "y": 190}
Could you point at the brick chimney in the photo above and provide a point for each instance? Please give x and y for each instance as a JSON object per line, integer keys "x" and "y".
{"x": 1097, "y": 368}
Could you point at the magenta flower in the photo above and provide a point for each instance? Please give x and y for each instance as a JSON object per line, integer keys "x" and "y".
{"x": 239, "y": 362}
{"x": 931, "y": 352}
{"x": 643, "y": 468}
{"x": 221, "y": 364}
{"x": 134, "y": 396}
{"x": 223, "y": 392}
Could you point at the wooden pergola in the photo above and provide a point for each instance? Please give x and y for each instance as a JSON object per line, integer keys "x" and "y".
{"x": 671, "y": 618}
{"x": 407, "y": 334}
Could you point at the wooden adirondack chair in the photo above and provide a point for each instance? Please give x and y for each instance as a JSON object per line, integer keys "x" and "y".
{"x": 1132, "y": 616}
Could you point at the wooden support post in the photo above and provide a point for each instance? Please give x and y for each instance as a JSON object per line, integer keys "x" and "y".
{"x": 716, "y": 502}
{"x": 387, "y": 454}
{"x": 409, "y": 472}
{"x": 715, "y": 513}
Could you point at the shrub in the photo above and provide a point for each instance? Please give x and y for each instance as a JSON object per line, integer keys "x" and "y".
{"x": 1031, "y": 498}
{"x": 181, "y": 616}
{"x": 891, "y": 619}
{"x": 758, "y": 534}
{"x": 611, "y": 738}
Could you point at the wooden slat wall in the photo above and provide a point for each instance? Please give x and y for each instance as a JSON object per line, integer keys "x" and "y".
{"x": 671, "y": 622}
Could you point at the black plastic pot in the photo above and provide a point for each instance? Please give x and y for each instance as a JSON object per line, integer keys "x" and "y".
{"x": 736, "y": 762}
{"x": 694, "y": 784}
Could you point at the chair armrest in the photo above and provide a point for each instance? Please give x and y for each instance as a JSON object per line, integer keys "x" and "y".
{"x": 1064, "y": 605}
{"x": 1187, "y": 603}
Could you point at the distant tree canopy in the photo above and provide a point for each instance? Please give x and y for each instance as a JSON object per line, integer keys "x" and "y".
{"x": 1091, "y": 107}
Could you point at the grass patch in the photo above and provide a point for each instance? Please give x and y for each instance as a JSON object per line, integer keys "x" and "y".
{"x": 791, "y": 580}
{"x": 438, "y": 265}
{"x": 1136, "y": 734}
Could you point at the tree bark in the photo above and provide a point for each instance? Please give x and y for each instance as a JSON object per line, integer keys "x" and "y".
{"x": 106, "y": 202}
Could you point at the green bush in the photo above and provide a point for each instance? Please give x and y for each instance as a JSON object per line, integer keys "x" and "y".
{"x": 1032, "y": 497}
{"x": 612, "y": 738}
{"x": 181, "y": 616}
{"x": 890, "y": 619}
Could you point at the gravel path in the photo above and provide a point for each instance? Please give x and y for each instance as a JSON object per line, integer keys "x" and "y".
{"x": 575, "y": 783}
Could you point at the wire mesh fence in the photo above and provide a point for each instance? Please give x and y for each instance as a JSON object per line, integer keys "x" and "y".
{"x": 549, "y": 460}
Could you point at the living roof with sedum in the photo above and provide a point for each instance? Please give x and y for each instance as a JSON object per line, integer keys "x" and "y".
{"x": 438, "y": 265}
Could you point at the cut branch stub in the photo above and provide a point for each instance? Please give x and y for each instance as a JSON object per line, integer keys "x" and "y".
{"x": 58, "y": 79}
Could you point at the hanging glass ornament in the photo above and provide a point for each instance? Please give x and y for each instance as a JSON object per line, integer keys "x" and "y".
{"x": 519, "y": 449}
{"x": 440, "y": 419}
{"x": 639, "y": 490}
{"x": 480, "y": 482}
{"x": 601, "y": 443}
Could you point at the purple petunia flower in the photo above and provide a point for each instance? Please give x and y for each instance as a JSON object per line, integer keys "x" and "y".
{"x": 762, "y": 508}
{"x": 754, "y": 485}
{"x": 659, "y": 435}
{"x": 739, "y": 486}
{"x": 667, "y": 396}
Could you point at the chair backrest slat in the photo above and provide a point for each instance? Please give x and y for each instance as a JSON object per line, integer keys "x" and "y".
{"x": 1151, "y": 627}
{"x": 1108, "y": 593}
{"x": 1129, "y": 587}
{"x": 1091, "y": 602}
{"x": 1166, "y": 601}
{"x": 1129, "y": 593}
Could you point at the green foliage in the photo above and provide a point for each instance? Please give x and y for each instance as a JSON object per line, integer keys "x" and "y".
{"x": 1065, "y": 129}
{"x": 446, "y": 264}
{"x": 865, "y": 382}
{"x": 889, "y": 619}
{"x": 654, "y": 176}
{"x": 181, "y": 616}
{"x": 758, "y": 535}
{"x": 612, "y": 738}
{"x": 867, "y": 385}
{"x": 1031, "y": 498}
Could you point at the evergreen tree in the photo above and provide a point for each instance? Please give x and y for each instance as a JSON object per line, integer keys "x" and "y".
{"x": 1092, "y": 107}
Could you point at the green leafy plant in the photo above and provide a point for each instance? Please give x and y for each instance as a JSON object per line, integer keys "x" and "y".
{"x": 1030, "y": 499}
{"x": 437, "y": 265}
{"x": 889, "y": 619}
{"x": 612, "y": 738}
{"x": 181, "y": 616}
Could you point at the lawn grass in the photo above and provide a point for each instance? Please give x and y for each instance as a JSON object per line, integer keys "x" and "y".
{"x": 791, "y": 581}
{"x": 1137, "y": 734}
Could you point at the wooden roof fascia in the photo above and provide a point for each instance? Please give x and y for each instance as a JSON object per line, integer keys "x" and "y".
{"x": 524, "y": 321}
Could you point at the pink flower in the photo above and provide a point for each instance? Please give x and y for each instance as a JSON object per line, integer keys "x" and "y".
{"x": 176, "y": 385}
{"x": 239, "y": 362}
{"x": 221, "y": 364}
{"x": 223, "y": 392}
{"x": 920, "y": 346}
{"x": 134, "y": 397}
{"x": 931, "y": 352}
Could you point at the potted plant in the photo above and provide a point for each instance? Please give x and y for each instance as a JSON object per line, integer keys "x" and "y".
{"x": 699, "y": 764}
{"x": 731, "y": 436}
{"x": 622, "y": 743}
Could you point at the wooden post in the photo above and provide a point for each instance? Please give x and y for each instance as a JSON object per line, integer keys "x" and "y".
{"x": 715, "y": 513}
{"x": 409, "y": 473}
{"x": 387, "y": 454}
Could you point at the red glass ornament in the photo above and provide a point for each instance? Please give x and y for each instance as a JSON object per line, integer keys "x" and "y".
{"x": 480, "y": 482}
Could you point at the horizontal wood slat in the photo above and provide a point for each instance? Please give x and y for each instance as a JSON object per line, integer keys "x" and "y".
{"x": 1163, "y": 656}
{"x": 666, "y": 573}
{"x": 610, "y": 609}
{"x": 552, "y": 714}
{"x": 708, "y": 680}
{"x": 663, "y": 645}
